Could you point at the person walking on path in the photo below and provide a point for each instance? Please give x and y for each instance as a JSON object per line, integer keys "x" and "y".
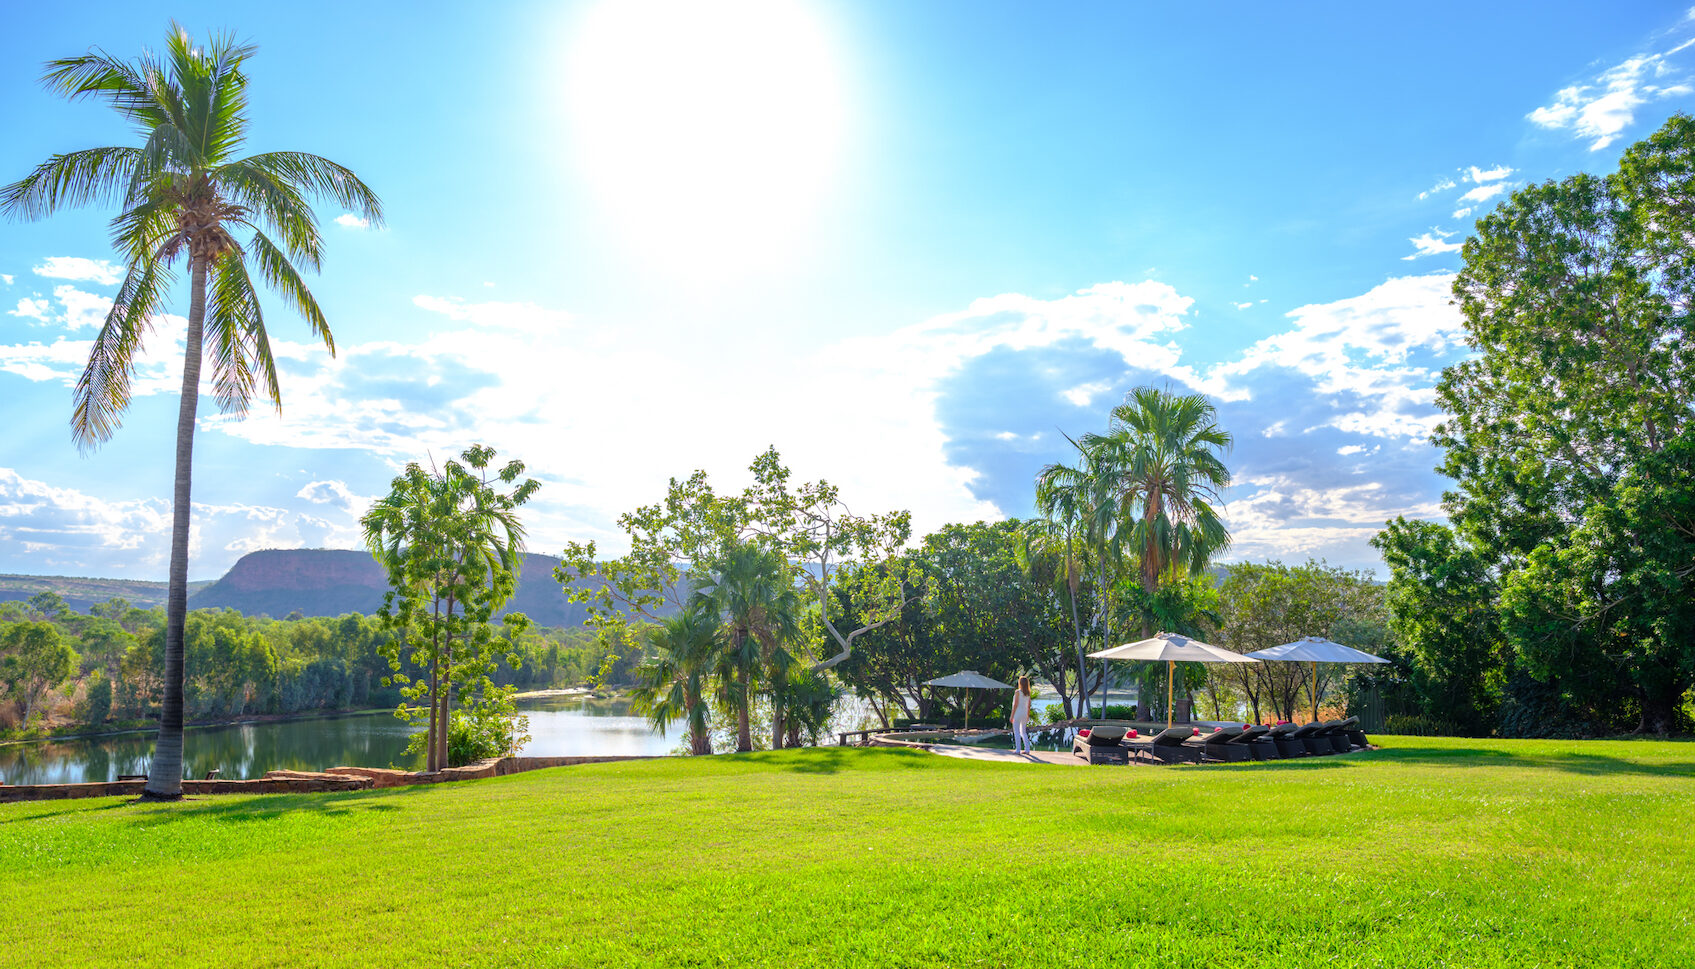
{"x": 1021, "y": 716}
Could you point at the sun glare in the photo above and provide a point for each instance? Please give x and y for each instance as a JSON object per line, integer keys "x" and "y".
{"x": 709, "y": 133}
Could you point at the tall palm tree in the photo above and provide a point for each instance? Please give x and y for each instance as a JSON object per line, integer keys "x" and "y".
{"x": 186, "y": 192}
{"x": 672, "y": 685}
{"x": 1079, "y": 497}
{"x": 1162, "y": 461}
{"x": 760, "y": 606}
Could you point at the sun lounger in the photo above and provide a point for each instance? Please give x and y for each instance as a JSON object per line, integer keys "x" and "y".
{"x": 1283, "y": 735}
{"x": 1221, "y": 745}
{"x": 1101, "y": 745}
{"x": 1169, "y": 746}
{"x": 1260, "y": 746}
{"x": 1356, "y": 736}
{"x": 1318, "y": 739}
{"x": 1346, "y": 734}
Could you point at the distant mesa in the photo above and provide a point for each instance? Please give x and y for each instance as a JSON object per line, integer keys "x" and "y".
{"x": 332, "y": 582}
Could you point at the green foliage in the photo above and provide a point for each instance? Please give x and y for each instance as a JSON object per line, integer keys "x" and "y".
{"x": 34, "y": 659}
{"x": 1261, "y": 606}
{"x": 96, "y": 704}
{"x": 451, "y": 543}
{"x": 1568, "y": 437}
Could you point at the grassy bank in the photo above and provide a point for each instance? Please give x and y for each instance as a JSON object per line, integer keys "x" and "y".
{"x": 1427, "y": 853}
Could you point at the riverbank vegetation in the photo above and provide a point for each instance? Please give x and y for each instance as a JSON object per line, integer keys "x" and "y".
{"x": 1427, "y": 853}
{"x": 243, "y": 666}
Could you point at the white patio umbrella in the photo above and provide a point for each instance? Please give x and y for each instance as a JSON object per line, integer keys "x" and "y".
{"x": 1171, "y": 649}
{"x": 1315, "y": 650}
{"x": 969, "y": 680}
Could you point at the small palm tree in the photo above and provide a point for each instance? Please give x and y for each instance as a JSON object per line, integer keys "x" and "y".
{"x": 760, "y": 606}
{"x": 1078, "y": 498}
{"x": 672, "y": 684}
{"x": 185, "y": 192}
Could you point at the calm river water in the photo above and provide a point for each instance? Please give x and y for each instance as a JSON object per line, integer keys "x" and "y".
{"x": 559, "y": 726}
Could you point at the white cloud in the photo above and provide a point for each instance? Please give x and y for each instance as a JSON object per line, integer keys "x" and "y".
{"x": 81, "y": 309}
{"x": 351, "y": 221}
{"x": 6, "y": 279}
{"x": 513, "y": 316}
{"x": 1602, "y": 109}
{"x": 1462, "y": 213}
{"x": 1484, "y": 193}
{"x": 1243, "y": 306}
{"x": 1432, "y": 243}
{"x": 1082, "y": 394}
{"x": 1442, "y": 185}
{"x": 1359, "y": 354}
{"x": 1253, "y": 278}
{"x": 1350, "y": 449}
{"x": 65, "y": 528}
{"x": 32, "y": 308}
{"x": 77, "y": 268}
{"x": 336, "y": 493}
{"x": 1480, "y": 175}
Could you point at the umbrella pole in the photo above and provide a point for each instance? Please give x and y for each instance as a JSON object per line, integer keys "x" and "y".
{"x": 1170, "y": 667}
{"x": 1315, "y": 691}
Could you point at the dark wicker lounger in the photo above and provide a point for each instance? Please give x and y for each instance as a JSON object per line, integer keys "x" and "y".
{"x": 1168, "y": 747}
{"x": 1259, "y": 744}
{"x": 1220, "y": 745}
{"x": 1101, "y": 745}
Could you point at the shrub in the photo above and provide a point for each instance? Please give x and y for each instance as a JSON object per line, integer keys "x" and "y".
{"x": 96, "y": 703}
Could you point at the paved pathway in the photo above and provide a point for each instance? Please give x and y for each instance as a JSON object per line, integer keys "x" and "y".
{"x": 965, "y": 752}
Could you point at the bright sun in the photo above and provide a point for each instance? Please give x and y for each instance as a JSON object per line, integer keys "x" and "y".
{"x": 709, "y": 132}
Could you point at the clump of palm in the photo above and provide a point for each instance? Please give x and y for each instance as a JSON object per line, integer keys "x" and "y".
{"x": 808, "y": 700}
{"x": 1077, "y": 501}
{"x": 673, "y": 683}
{"x": 750, "y": 589}
{"x": 187, "y": 194}
{"x": 1161, "y": 460}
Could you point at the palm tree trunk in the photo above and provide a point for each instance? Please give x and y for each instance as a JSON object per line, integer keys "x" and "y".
{"x": 744, "y": 733}
{"x": 776, "y": 722}
{"x": 164, "y": 775}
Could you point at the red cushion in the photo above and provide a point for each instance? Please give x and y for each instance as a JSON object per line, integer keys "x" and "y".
{"x": 1084, "y": 732}
{"x": 1197, "y": 731}
{"x": 1133, "y": 732}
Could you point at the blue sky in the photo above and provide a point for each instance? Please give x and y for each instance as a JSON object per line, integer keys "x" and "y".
{"x": 908, "y": 244}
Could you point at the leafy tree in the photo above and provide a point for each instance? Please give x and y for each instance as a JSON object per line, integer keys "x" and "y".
{"x": 1442, "y": 600}
{"x": 1076, "y": 498}
{"x": 751, "y": 588}
{"x": 451, "y": 543}
{"x": 34, "y": 659}
{"x": 185, "y": 191}
{"x": 1568, "y": 416}
{"x": 808, "y": 525}
{"x": 673, "y": 683}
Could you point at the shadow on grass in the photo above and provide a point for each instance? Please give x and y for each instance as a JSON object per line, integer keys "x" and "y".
{"x": 1575, "y": 762}
{"x": 833, "y": 760}
{"x": 264, "y": 807}
{"x": 68, "y": 810}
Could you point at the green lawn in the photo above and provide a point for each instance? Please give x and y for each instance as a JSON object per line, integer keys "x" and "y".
{"x": 1427, "y": 853}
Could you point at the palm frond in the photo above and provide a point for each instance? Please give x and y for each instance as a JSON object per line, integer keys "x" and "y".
{"x": 133, "y": 89}
{"x": 278, "y": 203}
{"x": 236, "y": 336}
{"x": 71, "y": 180}
{"x": 279, "y": 274}
{"x": 103, "y": 391}
{"x": 323, "y": 178}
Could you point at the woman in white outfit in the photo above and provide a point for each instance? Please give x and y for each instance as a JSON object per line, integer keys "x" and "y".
{"x": 1021, "y": 716}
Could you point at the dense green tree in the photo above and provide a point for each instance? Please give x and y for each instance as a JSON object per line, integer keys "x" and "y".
{"x": 1442, "y": 600}
{"x": 186, "y": 192}
{"x": 451, "y": 543}
{"x": 34, "y": 659}
{"x": 1563, "y": 436}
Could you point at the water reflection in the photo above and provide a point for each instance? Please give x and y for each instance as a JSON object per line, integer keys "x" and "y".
{"x": 559, "y": 726}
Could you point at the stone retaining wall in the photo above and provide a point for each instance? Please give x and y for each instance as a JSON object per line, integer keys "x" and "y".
{"x": 305, "y": 782}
